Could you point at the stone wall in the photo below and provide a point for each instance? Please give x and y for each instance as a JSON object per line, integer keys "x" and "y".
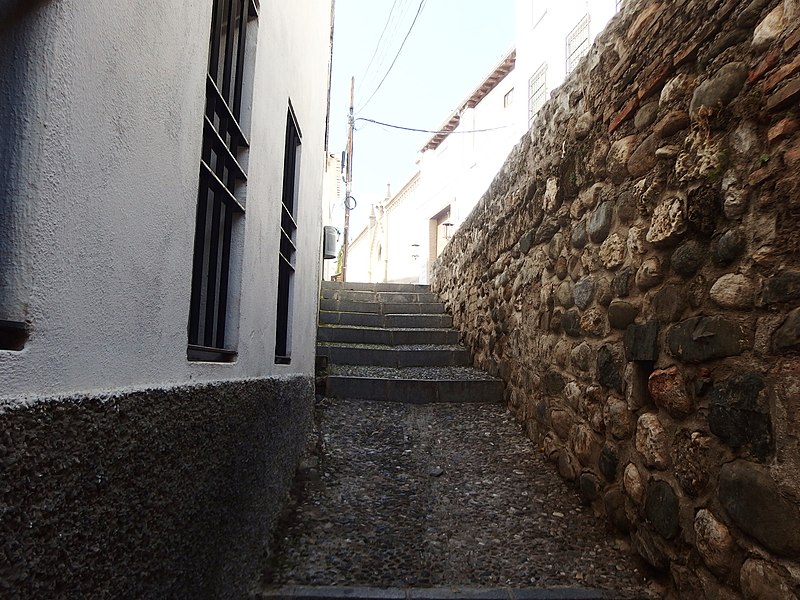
{"x": 153, "y": 494}
{"x": 633, "y": 274}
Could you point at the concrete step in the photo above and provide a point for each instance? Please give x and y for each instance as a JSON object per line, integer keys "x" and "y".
{"x": 301, "y": 592}
{"x": 385, "y": 308}
{"x": 406, "y": 321}
{"x": 390, "y": 337}
{"x": 395, "y": 343}
{"x": 377, "y": 320}
{"x": 413, "y": 391}
{"x": 388, "y": 356}
{"x": 416, "y": 385}
{"x": 407, "y": 308}
{"x": 369, "y": 296}
{"x": 375, "y": 287}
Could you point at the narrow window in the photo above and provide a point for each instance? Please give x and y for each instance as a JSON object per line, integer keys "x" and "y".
{"x": 508, "y": 99}
{"x": 288, "y": 240}
{"x": 537, "y": 92}
{"x": 221, "y": 191}
{"x": 577, "y": 43}
{"x": 439, "y": 231}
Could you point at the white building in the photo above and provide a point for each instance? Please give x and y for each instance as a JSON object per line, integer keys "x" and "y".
{"x": 552, "y": 36}
{"x": 368, "y": 252}
{"x": 331, "y": 198}
{"x": 405, "y": 261}
{"x": 459, "y": 162}
{"x": 455, "y": 167}
{"x": 161, "y": 169}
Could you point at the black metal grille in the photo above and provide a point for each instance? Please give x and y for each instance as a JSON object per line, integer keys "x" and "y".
{"x": 288, "y": 248}
{"x": 537, "y": 92}
{"x": 220, "y": 198}
{"x": 577, "y": 43}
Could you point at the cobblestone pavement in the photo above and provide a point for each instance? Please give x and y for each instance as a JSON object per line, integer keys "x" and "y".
{"x": 441, "y": 494}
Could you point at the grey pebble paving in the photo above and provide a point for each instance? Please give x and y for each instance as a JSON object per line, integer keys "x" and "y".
{"x": 395, "y": 347}
{"x": 408, "y": 496}
{"x": 426, "y": 373}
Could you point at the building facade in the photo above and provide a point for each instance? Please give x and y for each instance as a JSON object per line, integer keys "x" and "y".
{"x": 160, "y": 234}
{"x": 454, "y": 168}
{"x": 331, "y": 198}
{"x": 552, "y": 36}
{"x": 457, "y": 164}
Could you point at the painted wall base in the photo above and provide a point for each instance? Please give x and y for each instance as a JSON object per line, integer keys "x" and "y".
{"x": 163, "y": 493}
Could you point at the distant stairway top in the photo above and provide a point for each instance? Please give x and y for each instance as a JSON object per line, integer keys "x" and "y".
{"x": 375, "y": 287}
{"x": 395, "y": 342}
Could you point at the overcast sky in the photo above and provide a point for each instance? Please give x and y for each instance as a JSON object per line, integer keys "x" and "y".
{"x": 451, "y": 47}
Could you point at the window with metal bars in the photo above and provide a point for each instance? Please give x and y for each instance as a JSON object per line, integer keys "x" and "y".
{"x": 577, "y": 43}
{"x": 537, "y": 92}
{"x": 288, "y": 240}
{"x": 221, "y": 191}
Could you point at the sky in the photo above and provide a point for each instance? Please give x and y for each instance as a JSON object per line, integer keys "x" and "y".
{"x": 451, "y": 47}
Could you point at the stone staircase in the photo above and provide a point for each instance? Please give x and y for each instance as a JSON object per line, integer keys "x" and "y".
{"x": 385, "y": 341}
{"x": 392, "y": 485}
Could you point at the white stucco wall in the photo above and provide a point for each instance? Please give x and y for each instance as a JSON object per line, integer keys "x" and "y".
{"x": 358, "y": 257}
{"x": 458, "y": 172}
{"x": 383, "y": 249}
{"x": 108, "y": 145}
{"x": 454, "y": 174}
{"x": 406, "y": 261}
{"x": 331, "y": 197}
{"x": 541, "y": 31}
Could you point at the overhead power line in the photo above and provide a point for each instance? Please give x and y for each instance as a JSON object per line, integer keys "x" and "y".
{"x": 429, "y": 130}
{"x": 380, "y": 39}
{"x": 389, "y": 70}
{"x": 391, "y": 40}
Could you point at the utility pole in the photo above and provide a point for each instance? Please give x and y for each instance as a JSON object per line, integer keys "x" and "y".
{"x": 348, "y": 181}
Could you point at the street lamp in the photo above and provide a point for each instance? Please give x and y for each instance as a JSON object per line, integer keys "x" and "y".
{"x": 447, "y": 226}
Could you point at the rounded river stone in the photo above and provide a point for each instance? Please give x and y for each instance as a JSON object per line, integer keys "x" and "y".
{"x": 687, "y": 258}
{"x": 599, "y": 224}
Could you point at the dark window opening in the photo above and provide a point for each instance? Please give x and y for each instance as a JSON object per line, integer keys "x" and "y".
{"x": 288, "y": 240}
{"x": 13, "y": 335}
{"x": 220, "y": 198}
{"x": 508, "y": 99}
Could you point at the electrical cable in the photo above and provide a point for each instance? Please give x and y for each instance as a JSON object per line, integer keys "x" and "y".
{"x": 408, "y": 33}
{"x": 380, "y": 39}
{"x": 385, "y": 56}
{"x": 390, "y": 41}
{"x": 429, "y": 130}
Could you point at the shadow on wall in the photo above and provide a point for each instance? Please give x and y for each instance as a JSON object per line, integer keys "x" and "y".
{"x": 18, "y": 32}
{"x": 14, "y": 14}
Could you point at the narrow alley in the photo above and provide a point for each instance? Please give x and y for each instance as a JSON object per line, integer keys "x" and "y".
{"x": 405, "y": 300}
{"x": 424, "y": 494}
{"x": 442, "y": 495}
